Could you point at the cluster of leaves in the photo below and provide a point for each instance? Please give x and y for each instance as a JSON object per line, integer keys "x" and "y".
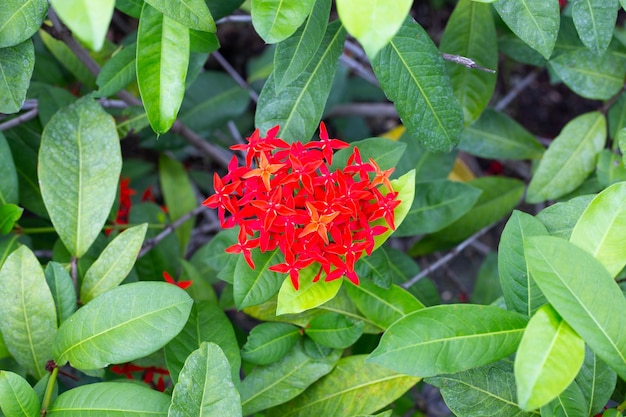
{"x": 77, "y": 77}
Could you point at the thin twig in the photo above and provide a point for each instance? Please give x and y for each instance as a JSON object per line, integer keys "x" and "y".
{"x": 244, "y": 18}
{"x": 232, "y": 128}
{"x": 466, "y": 62}
{"x": 219, "y": 155}
{"x": 359, "y": 69}
{"x": 515, "y": 91}
{"x": 449, "y": 256}
{"x": 22, "y": 118}
{"x": 151, "y": 243}
{"x": 63, "y": 33}
{"x": 235, "y": 75}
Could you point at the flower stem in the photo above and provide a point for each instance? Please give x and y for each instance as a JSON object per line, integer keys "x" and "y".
{"x": 48, "y": 394}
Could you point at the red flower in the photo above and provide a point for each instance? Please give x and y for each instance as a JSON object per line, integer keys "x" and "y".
{"x": 180, "y": 284}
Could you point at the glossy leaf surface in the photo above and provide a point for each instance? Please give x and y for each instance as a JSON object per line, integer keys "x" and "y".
{"x": 193, "y": 14}
{"x": 78, "y": 186}
{"x": 309, "y": 295}
{"x": 19, "y": 20}
{"x": 334, "y": 330}
{"x": 88, "y": 20}
{"x": 269, "y": 342}
{"x": 595, "y": 21}
{"x": 597, "y": 382}
{"x": 16, "y": 66}
{"x": 17, "y": 397}
{"x": 276, "y": 20}
{"x": 117, "y": 72}
{"x": 254, "y": 286}
{"x": 62, "y": 289}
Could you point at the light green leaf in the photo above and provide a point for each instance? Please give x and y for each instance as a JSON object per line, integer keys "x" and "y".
{"x": 373, "y": 23}
{"x": 29, "y": 319}
{"x": 179, "y": 197}
{"x": 449, "y": 338}
{"x": 110, "y": 399}
{"x": 204, "y": 386}
{"x": 276, "y": 20}
{"x": 88, "y": 20}
{"x": 9, "y": 191}
{"x": 17, "y": 397}
{"x": 404, "y": 186}
{"x": 20, "y": 19}
{"x": 254, "y": 286}
{"x": 207, "y": 323}
{"x": 492, "y": 386}
{"x": 496, "y": 136}
{"x": 162, "y": 60}
{"x": 610, "y": 168}
{"x": 121, "y": 325}
{"x": 117, "y": 72}
{"x": 412, "y": 74}
{"x": 589, "y": 75}
{"x": 267, "y": 386}
{"x": 78, "y": 186}
{"x": 520, "y": 292}
{"x": 597, "y": 382}
{"x": 309, "y": 294}
{"x": 353, "y": 387}
{"x": 595, "y": 21}
{"x": 113, "y": 264}
{"x": 16, "y": 67}
{"x": 9, "y": 215}
{"x": 294, "y": 53}
{"x": 193, "y": 14}
{"x": 68, "y": 59}
{"x": 547, "y": 360}
{"x": 437, "y": 204}
{"x": 382, "y": 306}
{"x": 334, "y": 330}
{"x": 560, "y": 218}
{"x": 612, "y": 412}
{"x": 570, "y": 158}
{"x": 269, "y": 342}
{"x": 536, "y": 22}
{"x": 298, "y": 107}
{"x": 600, "y": 229}
{"x": 470, "y": 32}
{"x": 62, "y": 290}
{"x": 562, "y": 271}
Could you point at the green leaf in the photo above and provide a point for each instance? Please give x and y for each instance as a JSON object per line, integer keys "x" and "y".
{"x": 7, "y": 245}
{"x": 309, "y": 295}
{"x": 536, "y": 22}
{"x": 162, "y": 60}
{"x": 612, "y": 412}
{"x": 487, "y": 287}
{"x": 29, "y": 317}
{"x": 562, "y": 272}
{"x": 595, "y": 21}
{"x": 353, "y": 387}
{"x": 560, "y": 218}
{"x": 548, "y": 359}
{"x": 518, "y": 50}
{"x": 601, "y": 228}
{"x": 203, "y": 42}
{"x": 9, "y": 215}
{"x": 111, "y": 399}
{"x": 117, "y": 72}
{"x": 382, "y": 306}
{"x": 78, "y": 186}
{"x": 597, "y": 382}
{"x": 617, "y": 116}
{"x": 130, "y": 7}
{"x": 385, "y": 152}
{"x": 16, "y": 67}
{"x": 204, "y": 386}
{"x": 437, "y": 204}
{"x": 492, "y": 387}
{"x": 334, "y": 330}
{"x": 589, "y": 75}
{"x": 294, "y": 53}
{"x": 496, "y": 136}
{"x": 449, "y": 338}
{"x": 427, "y": 165}
{"x": 9, "y": 191}
{"x": 520, "y": 291}
{"x": 20, "y": 19}
{"x": 375, "y": 268}
{"x": 68, "y": 59}
{"x": 267, "y": 386}
{"x": 373, "y": 23}
{"x": 298, "y": 107}
{"x": 113, "y": 264}
{"x": 179, "y": 197}
{"x": 193, "y": 14}
{"x": 276, "y": 20}
{"x": 610, "y": 168}
{"x": 269, "y": 342}
{"x": 88, "y": 20}
{"x": 121, "y": 325}
{"x": 571, "y": 403}
{"x": 62, "y": 290}
{"x": 207, "y": 323}
{"x": 470, "y": 32}
{"x": 405, "y": 188}
{"x": 17, "y": 397}
{"x": 412, "y": 74}
{"x": 49, "y": 100}
{"x": 201, "y": 288}
{"x": 570, "y": 158}
{"x": 254, "y": 286}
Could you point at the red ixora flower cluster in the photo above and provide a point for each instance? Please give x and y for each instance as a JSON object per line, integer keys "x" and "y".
{"x": 286, "y": 197}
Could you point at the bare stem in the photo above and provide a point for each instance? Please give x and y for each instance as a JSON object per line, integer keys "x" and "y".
{"x": 466, "y": 62}
{"x": 22, "y": 118}
{"x": 515, "y": 91}
{"x": 235, "y": 75}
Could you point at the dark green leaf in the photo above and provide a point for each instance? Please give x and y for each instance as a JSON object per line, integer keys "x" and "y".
{"x": 121, "y": 325}
{"x": 221, "y": 8}
{"x": 385, "y": 152}
{"x": 428, "y": 165}
{"x": 276, "y": 20}
{"x": 487, "y": 286}
{"x": 17, "y": 397}
{"x": 217, "y": 258}
{"x": 617, "y": 116}
{"x": 595, "y": 21}
{"x": 560, "y": 218}
{"x": 376, "y": 268}
{"x": 16, "y": 66}
{"x": 517, "y": 49}
{"x": 200, "y": 289}
{"x": 62, "y": 290}
{"x": 78, "y": 186}
{"x": 203, "y": 42}
{"x": 118, "y": 72}
{"x": 130, "y": 7}
{"x": 597, "y": 382}
{"x": 412, "y": 74}
{"x": 449, "y": 338}
{"x": 49, "y": 100}
{"x": 570, "y": 158}
{"x": 20, "y": 19}
{"x": 9, "y": 191}
{"x": 334, "y": 330}
{"x": 298, "y": 107}
{"x": 193, "y": 14}
{"x": 68, "y": 59}
{"x": 254, "y": 286}
{"x": 571, "y": 403}
{"x": 269, "y": 342}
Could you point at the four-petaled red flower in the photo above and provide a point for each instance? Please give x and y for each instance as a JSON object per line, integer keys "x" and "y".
{"x": 286, "y": 198}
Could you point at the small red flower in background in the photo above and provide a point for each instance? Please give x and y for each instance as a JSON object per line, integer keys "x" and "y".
{"x": 291, "y": 201}
{"x": 148, "y": 374}
{"x": 180, "y": 284}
